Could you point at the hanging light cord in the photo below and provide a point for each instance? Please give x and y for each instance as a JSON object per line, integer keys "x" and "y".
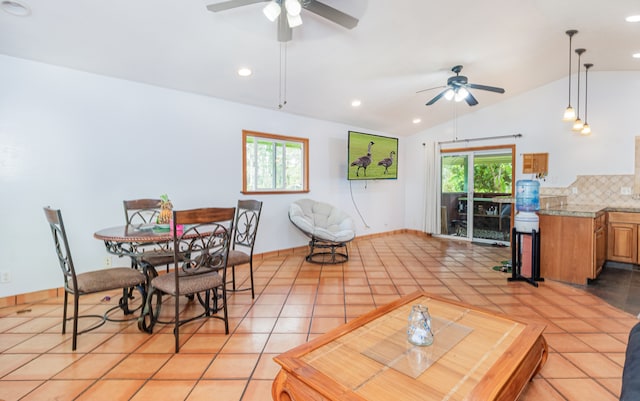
{"x": 586, "y": 88}
{"x": 282, "y": 94}
{"x": 570, "y": 33}
{"x": 579, "y": 51}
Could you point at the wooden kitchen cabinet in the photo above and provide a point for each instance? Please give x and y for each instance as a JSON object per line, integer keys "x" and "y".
{"x": 535, "y": 163}
{"x": 623, "y": 241}
{"x": 600, "y": 238}
{"x": 572, "y": 249}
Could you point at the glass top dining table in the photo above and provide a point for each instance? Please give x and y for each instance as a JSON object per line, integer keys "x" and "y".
{"x": 138, "y": 241}
{"x": 135, "y": 233}
{"x": 144, "y": 244}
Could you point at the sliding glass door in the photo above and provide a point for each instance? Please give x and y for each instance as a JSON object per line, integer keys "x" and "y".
{"x": 476, "y": 193}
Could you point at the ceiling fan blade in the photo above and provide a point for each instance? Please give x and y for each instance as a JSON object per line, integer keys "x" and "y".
{"x": 429, "y": 89}
{"x": 438, "y": 96}
{"x": 471, "y": 100}
{"x": 486, "y": 88}
{"x": 284, "y": 31}
{"x": 227, "y": 5}
{"x": 332, "y": 14}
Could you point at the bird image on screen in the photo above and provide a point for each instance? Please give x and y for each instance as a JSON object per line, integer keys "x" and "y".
{"x": 387, "y": 161}
{"x": 372, "y": 157}
{"x": 363, "y": 162}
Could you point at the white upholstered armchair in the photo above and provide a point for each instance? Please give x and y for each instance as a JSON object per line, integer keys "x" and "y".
{"x": 329, "y": 230}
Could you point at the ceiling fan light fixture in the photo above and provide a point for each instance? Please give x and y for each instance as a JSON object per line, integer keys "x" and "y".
{"x": 293, "y": 7}
{"x": 461, "y": 94}
{"x": 456, "y": 89}
{"x": 294, "y": 20}
{"x": 449, "y": 94}
{"x": 272, "y": 10}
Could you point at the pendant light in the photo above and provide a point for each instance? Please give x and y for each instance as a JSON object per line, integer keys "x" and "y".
{"x": 570, "y": 113}
{"x": 586, "y": 129}
{"x": 578, "y": 124}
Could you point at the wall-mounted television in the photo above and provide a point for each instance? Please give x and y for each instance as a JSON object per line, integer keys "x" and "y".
{"x": 372, "y": 157}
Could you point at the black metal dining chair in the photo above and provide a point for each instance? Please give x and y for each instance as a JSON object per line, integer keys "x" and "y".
{"x": 244, "y": 238}
{"x": 201, "y": 242}
{"x": 143, "y": 212}
{"x": 91, "y": 282}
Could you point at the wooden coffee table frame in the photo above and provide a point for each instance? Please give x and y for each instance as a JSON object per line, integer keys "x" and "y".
{"x": 513, "y": 365}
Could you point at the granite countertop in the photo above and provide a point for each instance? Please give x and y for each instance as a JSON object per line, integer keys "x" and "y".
{"x": 584, "y": 210}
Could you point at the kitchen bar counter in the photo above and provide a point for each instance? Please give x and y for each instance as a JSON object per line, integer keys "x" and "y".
{"x": 584, "y": 210}
{"x": 573, "y": 210}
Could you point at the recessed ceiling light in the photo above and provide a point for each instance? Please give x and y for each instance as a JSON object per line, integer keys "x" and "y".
{"x": 244, "y": 72}
{"x": 16, "y": 7}
{"x": 633, "y": 18}
{"x": 635, "y": 55}
{"x": 356, "y": 103}
{"x": 417, "y": 121}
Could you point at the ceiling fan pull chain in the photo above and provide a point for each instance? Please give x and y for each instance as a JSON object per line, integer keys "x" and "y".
{"x": 282, "y": 94}
{"x": 285, "y": 72}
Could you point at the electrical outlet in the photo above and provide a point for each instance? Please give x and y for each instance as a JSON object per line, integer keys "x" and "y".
{"x": 625, "y": 190}
{"x": 107, "y": 261}
{"x": 5, "y": 276}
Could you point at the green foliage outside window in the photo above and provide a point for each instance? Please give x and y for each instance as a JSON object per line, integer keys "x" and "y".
{"x": 491, "y": 174}
{"x": 274, "y": 163}
{"x": 492, "y": 178}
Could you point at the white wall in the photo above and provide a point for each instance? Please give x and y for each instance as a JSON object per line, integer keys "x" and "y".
{"x": 613, "y": 112}
{"x": 83, "y": 143}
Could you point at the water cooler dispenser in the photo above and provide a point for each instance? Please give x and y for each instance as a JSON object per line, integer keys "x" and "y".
{"x": 527, "y": 204}
{"x": 525, "y": 236}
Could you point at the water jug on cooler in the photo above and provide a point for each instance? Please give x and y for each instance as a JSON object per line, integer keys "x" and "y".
{"x": 527, "y": 203}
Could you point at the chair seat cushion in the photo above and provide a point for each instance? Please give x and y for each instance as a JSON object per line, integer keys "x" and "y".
{"x": 237, "y": 258}
{"x": 189, "y": 284}
{"x": 322, "y": 221}
{"x": 108, "y": 279}
{"x": 157, "y": 257}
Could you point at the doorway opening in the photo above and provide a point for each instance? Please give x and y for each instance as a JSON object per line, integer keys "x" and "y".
{"x": 476, "y": 192}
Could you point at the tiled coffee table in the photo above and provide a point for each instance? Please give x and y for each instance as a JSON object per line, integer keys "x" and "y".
{"x": 476, "y": 355}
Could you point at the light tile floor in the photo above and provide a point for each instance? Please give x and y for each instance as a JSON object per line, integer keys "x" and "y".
{"x": 296, "y": 301}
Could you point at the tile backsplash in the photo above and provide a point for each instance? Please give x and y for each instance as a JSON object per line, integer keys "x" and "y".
{"x": 605, "y": 190}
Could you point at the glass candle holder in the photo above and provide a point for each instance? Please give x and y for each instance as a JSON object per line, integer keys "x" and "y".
{"x": 419, "y": 326}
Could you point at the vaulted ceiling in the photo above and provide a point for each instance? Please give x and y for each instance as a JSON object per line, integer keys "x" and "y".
{"x": 398, "y": 48}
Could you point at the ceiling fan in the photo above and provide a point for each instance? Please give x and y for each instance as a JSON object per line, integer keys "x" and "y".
{"x": 287, "y": 12}
{"x": 457, "y": 88}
